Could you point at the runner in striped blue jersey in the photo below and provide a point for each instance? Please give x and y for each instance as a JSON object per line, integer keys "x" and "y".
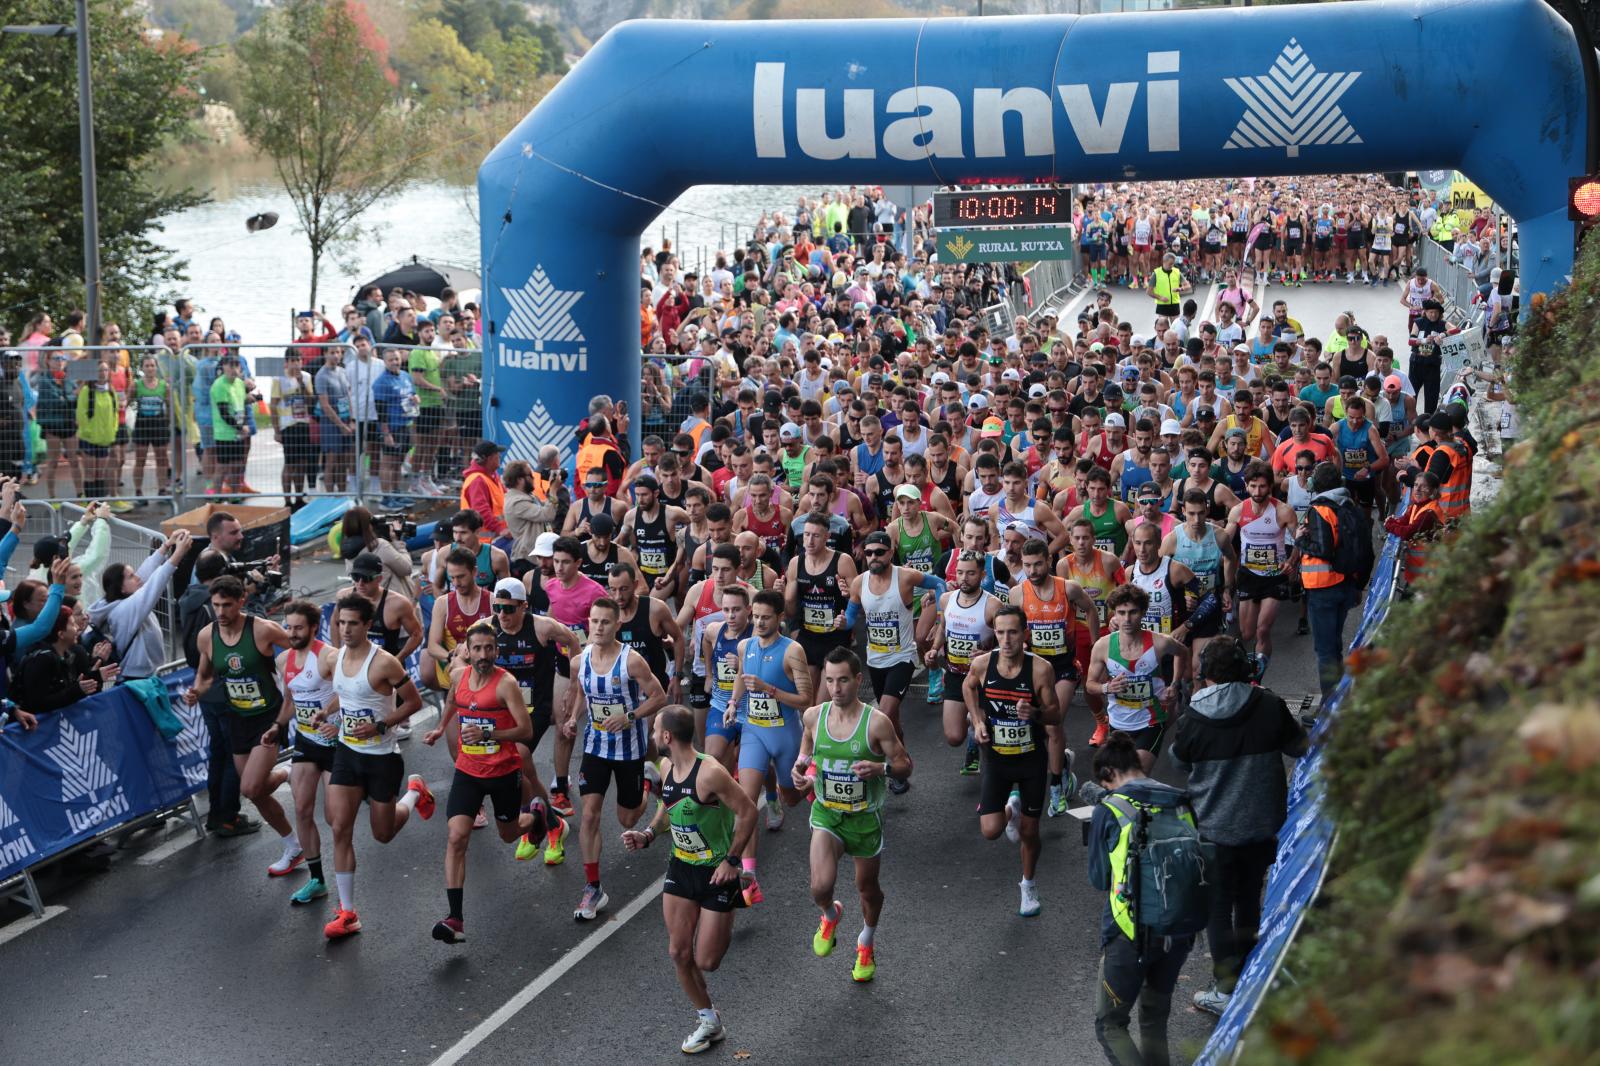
{"x": 619, "y": 693}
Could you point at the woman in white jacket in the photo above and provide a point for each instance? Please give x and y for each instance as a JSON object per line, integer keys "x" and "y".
{"x": 126, "y": 612}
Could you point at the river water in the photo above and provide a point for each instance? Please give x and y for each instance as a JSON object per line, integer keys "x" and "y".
{"x": 256, "y": 281}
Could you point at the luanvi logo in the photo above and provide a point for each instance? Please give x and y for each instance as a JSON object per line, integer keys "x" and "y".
{"x": 541, "y": 313}
{"x": 14, "y": 846}
{"x": 83, "y": 774}
{"x": 1292, "y": 106}
{"x": 537, "y": 430}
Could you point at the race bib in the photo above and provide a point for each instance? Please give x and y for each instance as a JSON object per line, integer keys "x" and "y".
{"x": 959, "y": 649}
{"x": 1355, "y": 458}
{"x": 1100, "y": 611}
{"x": 341, "y": 407}
{"x": 1012, "y": 737}
{"x": 689, "y": 844}
{"x": 842, "y": 790}
{"x": 727, "y": 672}
{"x": 817, "y": 619}
{"x": 488, "y": 747}
{"x": 351, "y": 717}
{"x": 763, "y": 710}
{"x": 1136, "y": 692}
{"x": 1106, "y": 544}
{"x": 603, "y": 709}
{"x": 410, "y": 406}
{"x": 1047, "y": 638}
{"x": 244, "y": 693}
{"x": 1156, "y": 622}
{"x": 303, "y": 715}
{"x": 883, "y": 636}
{"x": 1262, "y": 559}
{"x": 653, "y": 561}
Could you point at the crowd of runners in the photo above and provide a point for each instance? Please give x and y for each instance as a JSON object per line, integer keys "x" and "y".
{"x": 729, "y": 626}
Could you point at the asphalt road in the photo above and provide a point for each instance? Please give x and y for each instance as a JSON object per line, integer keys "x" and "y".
{"x": 193, "y": 955}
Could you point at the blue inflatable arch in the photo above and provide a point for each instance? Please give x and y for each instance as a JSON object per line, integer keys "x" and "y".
{"x": 659, "y": 106}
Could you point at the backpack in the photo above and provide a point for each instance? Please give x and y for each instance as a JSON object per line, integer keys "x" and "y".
{"x": 1168, "y": 862}
{"x": 1353, "y": 555}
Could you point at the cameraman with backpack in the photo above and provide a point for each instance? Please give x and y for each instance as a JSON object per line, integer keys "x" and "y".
{"x": 1146, "y": 854}
{"x": 1335, "y": 542}
{"x": 1231, "y": 742}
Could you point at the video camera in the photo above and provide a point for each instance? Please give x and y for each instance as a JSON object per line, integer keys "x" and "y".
{"x": 270, "y": 579}
{"x": 399, "y": 522}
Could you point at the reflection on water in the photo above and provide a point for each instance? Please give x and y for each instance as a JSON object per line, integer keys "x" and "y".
{"x": 256, "y": 281}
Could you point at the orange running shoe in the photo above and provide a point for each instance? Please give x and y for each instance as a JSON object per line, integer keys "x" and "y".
{"x": 344, "y": 923}
{"x": 425, "y": 803}
{"x": 1100, "y": 733}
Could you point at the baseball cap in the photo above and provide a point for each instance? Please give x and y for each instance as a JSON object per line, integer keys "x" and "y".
{"x": 1138, "y": 340}
{"x": 1171, "y": 426}
{"x": 1011, "y": 374}
{"x": 978, "y": 401}
{"x": 1097, "y": 347}
{"x": 790, "y": 431}
{"x": 1241, "y": 347}
{"x": 1130, "y": 372}
{"x": 1149, "y": 491}
{"x": 1235, "y": 432}
{"x": 1205, "y": 412}
{"x": 1036, "y": 390}
{"x": 1114, "y": 419}
{"x": 907, "y": 492}
{"x": 993, "y": 426}
{"x": 939, "y": 378}
{"x": 367, "y": 564}
{"x": 1392, "y": 382}
{"x": 512, "y": 588}
{"x": 602, "y": 525}
{"x": 485, "y": 448}
{"x": 544, "y": 546}
{"x": 1288, "y": 336}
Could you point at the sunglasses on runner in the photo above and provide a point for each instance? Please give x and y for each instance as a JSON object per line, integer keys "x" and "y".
{"x": 1302, "y": 469}
{"x": 507, "y": 608}
{"x": 875, "y": 554}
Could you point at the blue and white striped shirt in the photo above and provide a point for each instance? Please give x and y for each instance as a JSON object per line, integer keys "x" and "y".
{"x": 611, "y": 693}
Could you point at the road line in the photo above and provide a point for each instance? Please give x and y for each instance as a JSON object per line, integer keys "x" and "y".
{"x": 484, "y": 1029}
{"x": 28, "y": 924}
{"x": 185, "y": 837}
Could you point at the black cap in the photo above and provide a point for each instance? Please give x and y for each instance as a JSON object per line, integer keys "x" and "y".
{"x": 1204, "y": 412}
{"x": 47, "y": 550}
{"x": 367, "y": 564}
{"x": 602, "y": 525}
{"x": 485, "y": 448}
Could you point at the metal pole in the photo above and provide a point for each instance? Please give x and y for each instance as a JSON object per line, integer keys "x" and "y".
{"x": 91, "y": 204}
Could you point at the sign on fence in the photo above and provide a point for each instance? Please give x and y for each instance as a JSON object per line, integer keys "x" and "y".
{"x": 1458, "y": 351}
{"x": 91, "y": 767}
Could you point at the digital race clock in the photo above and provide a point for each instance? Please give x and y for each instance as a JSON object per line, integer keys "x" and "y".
{"x": 1002, "y": 207}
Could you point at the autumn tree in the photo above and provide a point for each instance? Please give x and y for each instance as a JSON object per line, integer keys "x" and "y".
{"x": 320, "y": 98}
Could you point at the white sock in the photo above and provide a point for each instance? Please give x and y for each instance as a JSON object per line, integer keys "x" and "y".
{"x": 409, "y": 799}
{"x": 1027, "y": 883}
{"x": 708, "y": 1015}
{"x": 347, "y": 889}
{"x": 865, "y": 939}
{"x": 291, "y": 843}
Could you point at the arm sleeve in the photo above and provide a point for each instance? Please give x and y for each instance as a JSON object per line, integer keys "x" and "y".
{"x": 144, "y": 601}
{"x": 31, "y": 633}
{"x": 94, "y": 558}
{"x": 149, "y": 566}
{"x": 8, "y": 546}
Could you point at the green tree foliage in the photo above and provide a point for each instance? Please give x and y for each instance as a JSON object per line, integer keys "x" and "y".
{"x": 207, "y": 22}
{"x": 518, "y": 61}
{"x": 143, "y": 94}
{"x": 445, "y": 73}
{"x": 319, "y": 98}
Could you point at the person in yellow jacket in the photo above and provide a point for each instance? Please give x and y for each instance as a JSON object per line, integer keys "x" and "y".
{"x": 98, "y": 419}
{"x": 1168, "y": 286}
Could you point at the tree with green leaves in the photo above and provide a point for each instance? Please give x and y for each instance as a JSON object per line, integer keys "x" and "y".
{"x": 143, "y": 95}
{"x": 319, "y": 97}
{"x": 444, "y": 72}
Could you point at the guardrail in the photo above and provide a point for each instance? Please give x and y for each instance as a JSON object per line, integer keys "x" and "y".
{"x": 1462, "y": 307}
{"x": 1305, "y": 843}
{"x": 1053, "y": 281}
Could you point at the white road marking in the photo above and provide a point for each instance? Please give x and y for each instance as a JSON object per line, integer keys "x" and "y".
{"x": 24, "y": 925}
{"x": 183, "y": 838}
{"x": 484, "y": 1029}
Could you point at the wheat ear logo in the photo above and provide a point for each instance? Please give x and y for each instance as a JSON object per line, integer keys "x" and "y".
{"x": 83, "y": 772}
{"x": 537, "y": 430}
{"x": 540, "y": 312}
{"x": 959, "y": 247}
{"x": 1292, "y": 106}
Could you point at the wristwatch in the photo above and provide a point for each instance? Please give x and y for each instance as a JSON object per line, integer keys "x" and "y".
{"x": 381, "y": 726}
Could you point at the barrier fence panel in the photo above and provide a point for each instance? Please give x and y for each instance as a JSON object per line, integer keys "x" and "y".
{"x": 1053, "y": 280}
{"x": 1460, "y": 290}
{"x": 670, "y": 382}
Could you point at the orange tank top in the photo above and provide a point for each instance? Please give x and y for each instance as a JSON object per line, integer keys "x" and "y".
{"x": 1050, "y": 625}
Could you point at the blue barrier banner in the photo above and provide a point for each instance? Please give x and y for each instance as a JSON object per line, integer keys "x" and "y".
{"x": 89, "y": 768}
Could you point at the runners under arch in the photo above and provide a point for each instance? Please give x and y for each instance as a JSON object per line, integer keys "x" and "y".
{"x": 659, "y": 106}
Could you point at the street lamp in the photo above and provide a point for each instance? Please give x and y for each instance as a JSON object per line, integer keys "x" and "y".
{"x": 91, "y": 205}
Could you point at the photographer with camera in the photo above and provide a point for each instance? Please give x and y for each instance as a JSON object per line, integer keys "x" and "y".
{"x": 226, "y": 536}
{"x": 535, "y": 501}
{"x": 385, "y": 537}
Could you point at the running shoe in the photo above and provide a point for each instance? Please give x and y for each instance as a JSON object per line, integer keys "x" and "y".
{"x": 560, "y": 803}
{"x": 313, "y": 889}
{"x": 555, "y": 845}
{"x": 1211, "y": 1001}
{"x": 865, "y": 968}
{"x": 750, "y": 890}
{"x": 121, "y": 506}
{"x": 774, "y": 816}
{"x": 292, "y": 856}
{"x": 449, "y": 931}
{"x": 244, "y": 487}
{"x": 898, "y": 786}
{"x": 1055, "y": 803}
{"x": 1013, "y": 812}
{"x": 241, "y": 825}
{"x": 402, "y": 731}
{"x": 1301, "y": 628}
{"x": 704, "y": 1035}
{"x": 344, "y": 924}
{"x": 425, "y": 802}
{"x": 481, "y": 819}
{"x": 1101, "y": 731}
{"x": 591, "y": 903}
{"x": 972, "y": 763}
{"x": 1069, "y": 786}
{"x": 1029, "y": 907}
{"x": 526, "y": 848}
{"x": 827, "y": 931}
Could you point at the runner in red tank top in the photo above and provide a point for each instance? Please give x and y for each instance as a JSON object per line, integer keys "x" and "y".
{"x": 489, "y": 765}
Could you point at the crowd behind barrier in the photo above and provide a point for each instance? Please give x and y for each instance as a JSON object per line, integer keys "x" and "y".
{"x": 1305, "y": 843}
{"x": 96, "y": 767}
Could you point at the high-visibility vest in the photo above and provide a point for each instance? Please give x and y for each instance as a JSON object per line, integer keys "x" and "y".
{"x": 1455, "y": 496}
{"x": 1318, "y": 573}
{"x": 591, "y": 456}
{"x": 1417, "y": 547}
{"x": 1167, "y": 284}
{"x": 497, "y": 492}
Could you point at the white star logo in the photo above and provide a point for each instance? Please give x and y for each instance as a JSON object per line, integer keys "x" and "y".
{"x": 537, "y": 430}
{"x": 1292, "y": 105}
{"x": 540, "y": 312}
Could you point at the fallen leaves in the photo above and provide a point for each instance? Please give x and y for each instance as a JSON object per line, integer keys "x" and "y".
{"x": 1553, "y": 731}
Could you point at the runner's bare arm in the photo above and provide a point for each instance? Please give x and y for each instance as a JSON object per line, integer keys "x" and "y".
{"x": 411, "y": 623}
{"x": 655, "y": 697}
{"x": 880, "y": 734}
{"x": 510, "y": 694}
{"x": 1044, "y": 687}
{"x": 972, "y": 692}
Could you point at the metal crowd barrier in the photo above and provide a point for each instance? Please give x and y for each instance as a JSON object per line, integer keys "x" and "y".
{"x": 1053, "y": 281}
{"x": 1460, "y": 289}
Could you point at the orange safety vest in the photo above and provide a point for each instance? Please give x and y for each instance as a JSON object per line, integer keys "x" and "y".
{"x": 1417, "y": 547}
{"x": 1455, "y": 496}
{"x": 497, "y": 492}
{"x": 1318, "y": 573}
{"x": 591, "y": 456}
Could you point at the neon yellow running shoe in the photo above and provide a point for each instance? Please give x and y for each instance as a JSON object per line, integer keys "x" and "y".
{"x": 827, "y": 932}
{"x": 526, "y": 849}
{"x": 555, "y": 845}
{"x": 865, "y": 968}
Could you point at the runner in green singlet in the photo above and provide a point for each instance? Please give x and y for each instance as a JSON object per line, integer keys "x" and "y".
{"x": 1110, "y": 525}
{"x": 847, "y": 778}
{"x": 712, "y": 823}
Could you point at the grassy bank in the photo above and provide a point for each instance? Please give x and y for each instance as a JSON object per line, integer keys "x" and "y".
{"x": 1460, "y": 922}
